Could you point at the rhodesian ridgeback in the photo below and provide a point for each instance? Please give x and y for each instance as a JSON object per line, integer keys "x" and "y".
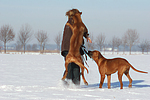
{"x": 78, "y": 29}
{"x": 110, "y": 66}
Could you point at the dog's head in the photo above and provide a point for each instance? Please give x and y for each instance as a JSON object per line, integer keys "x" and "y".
{"x": 72, "y": 12}
{"x": 95, "y": 54}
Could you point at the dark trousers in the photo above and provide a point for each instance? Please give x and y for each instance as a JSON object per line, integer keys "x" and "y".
{"x": 73, "y": 72}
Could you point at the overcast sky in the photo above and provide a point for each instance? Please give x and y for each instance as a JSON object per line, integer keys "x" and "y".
{"x": 111, "y": 17}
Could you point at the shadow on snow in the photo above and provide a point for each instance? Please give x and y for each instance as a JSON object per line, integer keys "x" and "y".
{"x": 135, "y": 83}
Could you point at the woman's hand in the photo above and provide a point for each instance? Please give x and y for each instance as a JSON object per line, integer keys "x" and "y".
{"x": 88, "y": 39}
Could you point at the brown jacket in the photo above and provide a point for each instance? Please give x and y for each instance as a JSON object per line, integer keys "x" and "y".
{"x": 66, "y": 37}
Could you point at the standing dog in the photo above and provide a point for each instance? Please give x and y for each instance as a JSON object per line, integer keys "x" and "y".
{"x": 110, "y": 66}
{"x": 78, "y": 29}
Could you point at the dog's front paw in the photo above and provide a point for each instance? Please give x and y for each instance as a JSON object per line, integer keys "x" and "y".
{"x": 109, "y": 88}
{"x": 86, "y": 83}
{"x": 63, "y": 79}
{"x": 100, "y": 86}
{"x": 130, "y": 86}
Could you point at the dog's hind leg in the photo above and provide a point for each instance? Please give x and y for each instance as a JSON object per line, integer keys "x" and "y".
{"x": 82, "y": 73}
{"x": 128, "y": 76}
{"x": 66, "y": 66}
{"x": 120, "y": 80}
{"x": 79, "y": 63}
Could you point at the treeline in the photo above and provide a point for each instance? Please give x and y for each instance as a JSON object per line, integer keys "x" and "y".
{"x": 24, "y": 36}
{"x": 129, "y": 39}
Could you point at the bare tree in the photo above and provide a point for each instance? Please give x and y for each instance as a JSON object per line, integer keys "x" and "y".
{"x": 90, "y": 45}
{"x": 34, "y": 47}
{"x": 118, "y": 43}
{"x": 42, "y": 38}
{"x": 29, "y": 47}
{"x": 132, "y": 37}
{"x": 100, "y": 40}
{"x": 0, "y": 46}
{"x": 18, "y": 46}
{"x": 113, "y": 44}
{"x": 147, "y": 43}
{"x": 58, "y": 40}
{"x": 24, "y": 35}
{"x": 124, "y": 42}
{"x": 6, "y": 35}
{"x": 142, "y": 46}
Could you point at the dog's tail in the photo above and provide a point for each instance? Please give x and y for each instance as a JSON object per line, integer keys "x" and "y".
{"x": 136, "y": 69}
{"x": 80, "y": 64}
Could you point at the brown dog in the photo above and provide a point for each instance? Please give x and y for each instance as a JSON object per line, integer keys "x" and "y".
{"x": 76, "y": 40}
{"x": 110, "y": 66}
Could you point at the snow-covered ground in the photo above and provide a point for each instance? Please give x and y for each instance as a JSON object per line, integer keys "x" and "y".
{"x": 38, "y": 77}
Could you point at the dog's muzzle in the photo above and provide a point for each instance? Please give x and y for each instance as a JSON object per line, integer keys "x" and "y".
{"x": 90, "y": 54}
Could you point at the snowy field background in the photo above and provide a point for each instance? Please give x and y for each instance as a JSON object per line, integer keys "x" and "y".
{"x": 38, "y": 77}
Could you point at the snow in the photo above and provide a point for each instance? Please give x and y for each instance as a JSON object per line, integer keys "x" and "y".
{"x": 38, "y": 77}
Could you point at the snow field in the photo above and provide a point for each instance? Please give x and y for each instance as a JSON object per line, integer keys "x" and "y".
{"x": 38, "y": 77}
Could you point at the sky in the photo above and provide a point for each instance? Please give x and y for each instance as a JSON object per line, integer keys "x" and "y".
{"x": 110, "y": 17}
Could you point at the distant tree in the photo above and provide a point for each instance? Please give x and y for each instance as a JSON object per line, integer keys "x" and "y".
{"x": 42, "y": 38}
{"x": 147, "y": 43}
{"x": 34, "y": 47}
{"x": 104, "y": 47}
{"x": 90, "y": 46}
{"x": 142, "y": 46}
{"x": 24, "y": 35}
{"x": 57, "y": 40}
{"x": 113, "y": 44}
{"x": 6, "y": 35}
{"x": 118, "y": 43}
{"x": 0, "y": 46}
{"x": 124, "y": 42}
{"x": 132, "y": 37}
{"x": 100, "y": 40}
{"x": 29, "y": 47}
{"x": 18, "y": 46}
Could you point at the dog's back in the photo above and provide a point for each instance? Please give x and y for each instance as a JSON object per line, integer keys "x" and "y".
{"x": 78, "y": 29}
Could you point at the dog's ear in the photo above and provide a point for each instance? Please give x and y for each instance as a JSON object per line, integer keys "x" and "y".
{"x": 80, "y": 13}
{"x": 69, "y": 13}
